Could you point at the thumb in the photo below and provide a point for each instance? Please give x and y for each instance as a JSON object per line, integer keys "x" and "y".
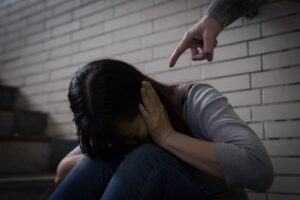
{"x": 208, "y": 47}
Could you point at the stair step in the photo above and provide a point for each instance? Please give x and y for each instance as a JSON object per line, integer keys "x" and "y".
{"x": 32, "y": 155}
{"x": 26, "y": 187}
{"x": 22, "y": 122}
{"x": 8, "y": 97}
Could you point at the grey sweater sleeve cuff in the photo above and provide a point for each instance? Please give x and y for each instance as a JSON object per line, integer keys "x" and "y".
{"x": 227, "y": 11}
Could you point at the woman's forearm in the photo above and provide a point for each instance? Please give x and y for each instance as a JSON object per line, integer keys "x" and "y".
{"x": 198, "y": 153}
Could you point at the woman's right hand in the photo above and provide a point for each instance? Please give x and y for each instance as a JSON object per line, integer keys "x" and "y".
{"x": 201, "y": 35}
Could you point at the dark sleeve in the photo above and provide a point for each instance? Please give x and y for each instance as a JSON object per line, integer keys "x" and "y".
{"x": 239, "y": 152}
{"x": 227, "y": 11}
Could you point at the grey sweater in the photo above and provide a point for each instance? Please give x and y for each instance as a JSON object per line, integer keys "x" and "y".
{"x": 240, "y": 153}
{"x": 227, "y": 11}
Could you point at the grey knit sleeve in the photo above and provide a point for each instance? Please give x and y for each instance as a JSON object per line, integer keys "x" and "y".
{"x": 227, "y": 11}
{"x": 239, "y": 152}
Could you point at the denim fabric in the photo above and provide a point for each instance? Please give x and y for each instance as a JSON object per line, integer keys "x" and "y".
{"x": 147, "y": 172}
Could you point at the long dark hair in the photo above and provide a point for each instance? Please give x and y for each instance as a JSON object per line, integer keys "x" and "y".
{"x": 107, "y": 90}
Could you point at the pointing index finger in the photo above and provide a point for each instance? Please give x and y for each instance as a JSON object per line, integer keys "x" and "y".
{"x": 179, "y": 50}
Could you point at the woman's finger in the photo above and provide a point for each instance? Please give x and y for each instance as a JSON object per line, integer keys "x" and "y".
{"x": 144, "y": 112}
{"x": 151, "y": 93}
{"x": 146, "y": 99}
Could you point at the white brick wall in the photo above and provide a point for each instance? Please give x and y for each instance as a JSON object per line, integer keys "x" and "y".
{"x": 256, "y": 64}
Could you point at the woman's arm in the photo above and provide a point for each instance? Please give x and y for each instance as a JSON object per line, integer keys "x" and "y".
{"x": 236, "y": 153}
{"x": 198, "y": 153}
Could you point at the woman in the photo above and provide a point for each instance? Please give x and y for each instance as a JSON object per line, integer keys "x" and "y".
{"x": 142, "y": 139}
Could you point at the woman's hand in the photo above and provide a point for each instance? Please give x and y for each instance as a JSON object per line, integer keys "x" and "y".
{"x": 154, "y": 114}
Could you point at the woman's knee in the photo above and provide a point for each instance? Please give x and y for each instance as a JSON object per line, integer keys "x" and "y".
{"x": 149, "y": 155}
{"x": 65, "y": 166}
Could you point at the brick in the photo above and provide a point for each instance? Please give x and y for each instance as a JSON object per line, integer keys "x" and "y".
{"x": 37, "y": 58}
{"x": 239, "y": 34}
{"x": 137, "y": 56}
{"x": 59, "y": 118}
{"x": 32, "y": 29}
{"x": 165, "y": 50}
{"x": 162, "y": 65}
{"x": 65, "y": 28}
{"x": 65, "y": 50}
{"x": 276, "y": 112}
{"x": 281, "y": 59}
{"x": 10, "y": 18}
{"x": 62, "y": 73}
{"x": 65, "y": 130}
{"x": 39, "y": 37}
{"x": 122, "y": 47}
{"x": 256, "y": 196}
{"x": 58, "y": 41}
{"x": 177, "y": 19}
{"x": 52, "y": 3}
{"x": 133, "y": 31}
{"x": 95, "y": 42}
{"x": 15, "y": 26}
{"x": 56, "y": 107}
{"x": 243, "y": 113}
{"x": 89, "y": 9}
{"x": 230, "y": 52}
{"x": 122, "y": 22}
{"x": 281, "y": 94}
{"x": 58, "y": 97}
{"x": 258, "y": 129}
{"x": 57, "y": 63}
{"x": 32, "y": 89}
{"x": 88, "y": 32}
{"x": 97, "y": 18}
{"x": 164, "y": 9}
{"x": 32, "y": 9}
{"x": 31, "y": 69}
{"x": 57, "y": 85}
{"x": 287, "y": 184}
{"x": 39, "y": 17}
{"x": 132, "y": 6}
{"x": 274, "y": 43}
{"x": 282, "y": 129}
{"x": 286, "y": 165}
{"x": 86, "y": 56}
{"x": 194, "y": 3}
{"x": 275, "y": 10}
{"x": 178, "y": 76}
{"x": 66, "y": 7}
{"x": 163, "y": 37}
{"x": 39, "y": 78}
{"x": 54, "y": 21}
{"x": 230, "y": 83}
{"x": 13, "y": 64}
{"x": 283, "y": 197}
{"x": 37, "y": 99}
{"x": 231, "y": 67}
{"x": 276, "y": 77}
{"x": 31, "y": 49}
{"x": 10, "y": 55}
{"x": 243, "y": 98}
{"x": 287, "y": 24}
{"x": 282, "y": 147}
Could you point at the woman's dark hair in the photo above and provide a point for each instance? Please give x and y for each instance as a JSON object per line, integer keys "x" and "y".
{"x": 107, "y": 90}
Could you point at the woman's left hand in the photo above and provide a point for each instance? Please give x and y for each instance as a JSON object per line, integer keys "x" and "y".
{"x": 154, "y": 114}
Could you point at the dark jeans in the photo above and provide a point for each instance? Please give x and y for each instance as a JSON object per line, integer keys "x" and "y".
{"x": 147, "y": 172}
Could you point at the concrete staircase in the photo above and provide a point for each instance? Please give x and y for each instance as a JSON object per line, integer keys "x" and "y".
{"x": 28, "y": 159}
